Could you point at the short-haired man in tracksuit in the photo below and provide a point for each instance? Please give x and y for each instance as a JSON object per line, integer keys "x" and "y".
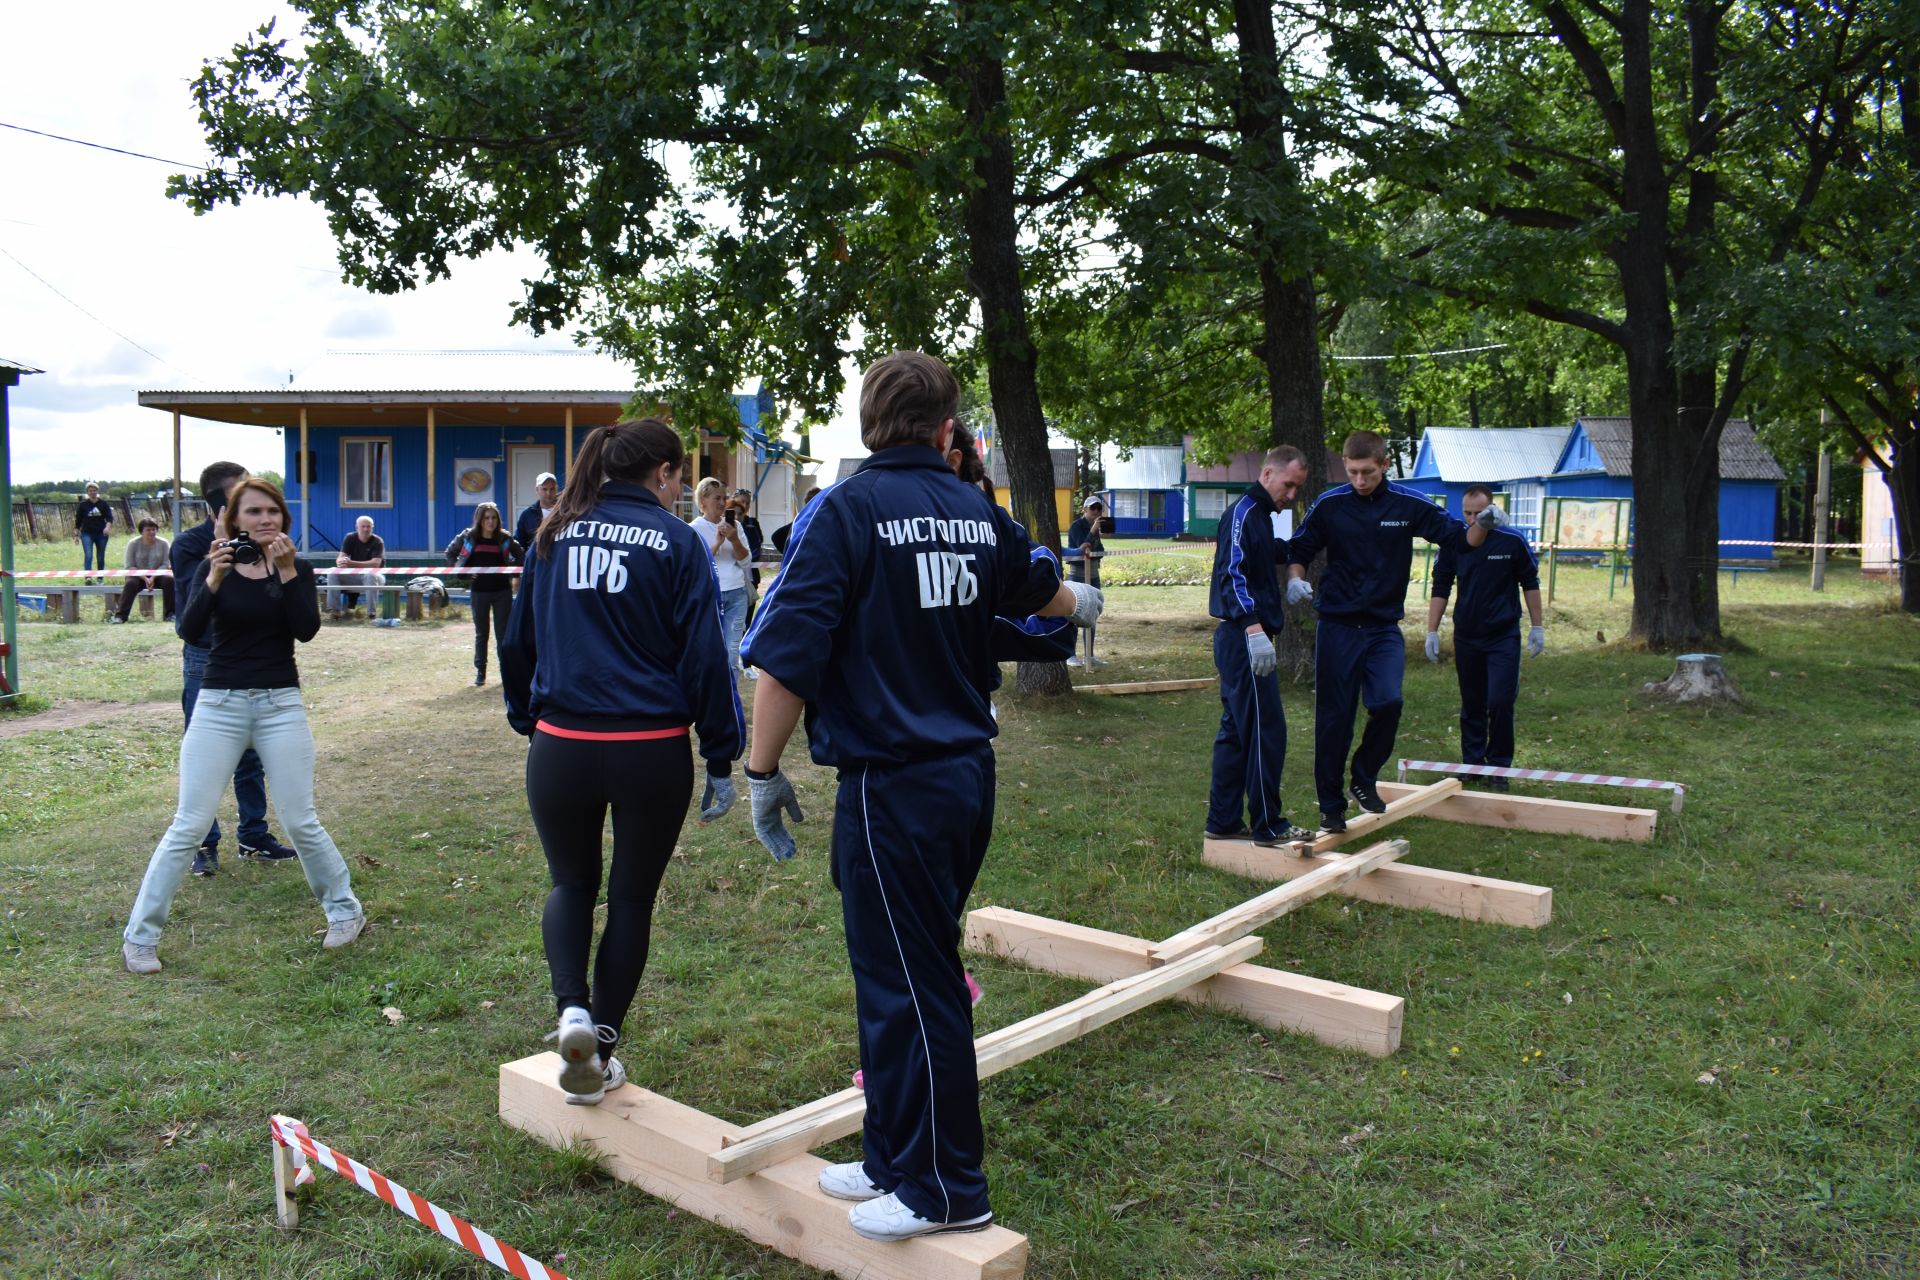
{"x": 1367, "y": 527}
{"x": 881, "y": 624}
{"x": 1245, "y": 596}
{"x": 1486, "y": 642}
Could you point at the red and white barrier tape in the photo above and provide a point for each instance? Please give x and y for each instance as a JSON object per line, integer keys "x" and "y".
{"x": 1679, "y": 789}
{"x": 302, "y": 1146}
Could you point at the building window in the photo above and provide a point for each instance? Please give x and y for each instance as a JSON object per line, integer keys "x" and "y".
{"x": 1209, "y": 504}
{"x": 1527, "y": 500}
{"x": 366, "y": 471}
{"x": 1126, "y": 505}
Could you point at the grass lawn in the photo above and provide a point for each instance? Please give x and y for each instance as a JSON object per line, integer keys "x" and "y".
{"x": 1546, "y": 1114}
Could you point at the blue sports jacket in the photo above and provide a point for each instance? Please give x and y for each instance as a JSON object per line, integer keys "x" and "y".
{"x": 1246, "y": 585}
{"x": 1034, "y": 638}
{"x": 1491, "y": 577}
{"x": 1369, "y": 546}
{"x": 882, "y": 618}
{"x": 619, "y": 628}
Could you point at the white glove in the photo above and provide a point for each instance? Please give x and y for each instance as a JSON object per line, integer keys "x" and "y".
{"x": 1536, "y": 641}
{"x": 770, "y": 796}
{"x": 1491, "y": 517}
{"x": 1260, "y": 654}
{"x": 1433, "y": 646}
{"x": 1087, "y": 604}
{"x": 1299, "y": 591}
{"x": 717, "y": 799}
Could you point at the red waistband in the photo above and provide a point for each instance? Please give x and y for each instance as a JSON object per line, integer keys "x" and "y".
{"x": 620, "y": 735}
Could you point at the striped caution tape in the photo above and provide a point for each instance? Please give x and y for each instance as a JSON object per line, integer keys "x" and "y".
{"x": 293, "y": 1135}
{"x": 1679, "y": 789}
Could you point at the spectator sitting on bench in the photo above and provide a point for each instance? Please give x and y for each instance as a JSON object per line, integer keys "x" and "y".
{"x": 362, "y": 554}
{"x": 148, "y": 551}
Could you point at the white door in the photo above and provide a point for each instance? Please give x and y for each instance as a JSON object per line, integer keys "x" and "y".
{"x": 524, "y": 462}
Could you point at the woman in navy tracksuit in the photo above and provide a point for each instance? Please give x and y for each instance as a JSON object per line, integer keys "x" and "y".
{"x": 614, "y": 650}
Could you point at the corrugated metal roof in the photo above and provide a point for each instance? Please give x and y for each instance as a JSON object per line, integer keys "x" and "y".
{"x": 1468, "y": 455}
{"x": 17, "y": 367}
{"x": 465, "y": 371}
{"x": 1150, "y": 467}
{"x": 1742, "y": 456}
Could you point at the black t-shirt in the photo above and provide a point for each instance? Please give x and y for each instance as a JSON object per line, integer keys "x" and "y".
{"x": 371, "y": 549}
{"x": 93, "y": 515}
{"x": 253, "y": 627}
{"x": 488, "y": 551}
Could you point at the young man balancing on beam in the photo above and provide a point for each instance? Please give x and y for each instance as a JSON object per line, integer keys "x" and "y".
{"x": 1367, "y": 527}
{"x": 1486, "y": 647}
{"x": 1245, "y": 596}
{"x": 881, "y": 626}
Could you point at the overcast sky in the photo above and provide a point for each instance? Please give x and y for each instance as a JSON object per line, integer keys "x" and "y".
{"x": 234, "y": 300}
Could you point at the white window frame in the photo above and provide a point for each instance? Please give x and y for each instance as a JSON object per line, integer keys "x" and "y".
{"x": 1128, "y": 504}
{"x": 1528, "y": 500}
{"x": 1205, "y": 498}
{"x": 386, "y": 457}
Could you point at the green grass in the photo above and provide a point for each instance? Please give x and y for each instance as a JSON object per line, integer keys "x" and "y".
{"x": 1543, "y": 1117}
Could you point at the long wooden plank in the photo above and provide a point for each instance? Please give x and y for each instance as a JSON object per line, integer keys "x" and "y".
{"x": 661, "y": 1147}
{"x": 1536, "y": 813}
{"x": 791, "y": 1133}
{"x": 1150, "y": 686}
{"x": 1334, "y": 872}
{"x": 1330, "y": 1012}
{"x": 1418, "y": 802}
{"x": 1482, "y": 898}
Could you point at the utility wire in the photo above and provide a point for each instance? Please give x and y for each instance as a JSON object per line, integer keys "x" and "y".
{"x": 1428, "y": 355}
{"x": 96, "y": 319}
{"x": 101, "y": 146}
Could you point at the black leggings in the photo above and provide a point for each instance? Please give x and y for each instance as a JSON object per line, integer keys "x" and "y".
{"x": 488, "y": 607}
{"x": 570, "y": 786}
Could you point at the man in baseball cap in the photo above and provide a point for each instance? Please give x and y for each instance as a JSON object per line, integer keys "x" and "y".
{"x": 547, "y": 486}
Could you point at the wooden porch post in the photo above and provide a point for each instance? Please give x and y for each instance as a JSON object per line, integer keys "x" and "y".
{"x": 566, "y": 463}
{"x": 300, "y": 465}
{"x": 176, "y": 475}
{"x": 433, "y": 525}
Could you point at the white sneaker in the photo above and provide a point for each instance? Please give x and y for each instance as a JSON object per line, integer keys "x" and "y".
{"x": 579, "y": 1050}
{"x": 140, "y": 957}
{"x": 849, "y": 1182}
{"x": 1074, "y": 661}
{"x": 341, "y": 932}
{"x": 888, "y": 1219}
{"x": 612, "y": 1076}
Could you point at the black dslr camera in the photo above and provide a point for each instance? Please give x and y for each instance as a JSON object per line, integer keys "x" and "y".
{"x": 245, "y": 549}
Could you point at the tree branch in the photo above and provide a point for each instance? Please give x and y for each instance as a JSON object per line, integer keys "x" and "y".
{"x": 1573, "y": 37}
{"x": 1120, "y": 159}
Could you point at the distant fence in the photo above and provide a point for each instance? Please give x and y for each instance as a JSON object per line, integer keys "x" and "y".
{"x": 40, "y": 520}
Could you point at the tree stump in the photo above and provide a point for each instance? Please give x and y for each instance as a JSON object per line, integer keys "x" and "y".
{"x": 1697, "y": 677}
{"x": 1042, "y": 679}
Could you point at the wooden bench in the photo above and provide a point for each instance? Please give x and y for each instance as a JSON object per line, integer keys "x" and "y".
{"x": 1737, "y": 567}
{"x": 68, "y": 599}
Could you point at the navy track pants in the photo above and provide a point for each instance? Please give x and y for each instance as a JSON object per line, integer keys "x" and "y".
{"x": 908, "y": 840}
{"x": 1251, "y": 746}
{"x": 1489, "y": 672}
{"x": 1354, "y": 664}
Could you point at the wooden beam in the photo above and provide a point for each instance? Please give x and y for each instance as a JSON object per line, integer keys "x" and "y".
{"x": 306, "y": 510}
{"x": 1450, "y": 893}
{"x": 175, "y": 535}
{"x": 1334, "y": 1014}
{"x": 800, "y": 1130}
{"x": 661, "y": 1147}
{"x": 1150, "y": 686}
{"x": 1333, "y": 873}
{"x": 566, "y": 462}
{"x": 1419, "y": 801}
{"x": 1536, "y": 813}
{"x": 286, "y": 1210}
{"x": 433, "y": 488}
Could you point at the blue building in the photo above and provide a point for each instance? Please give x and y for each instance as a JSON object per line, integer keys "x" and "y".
{"x": 1145, "y": 493}
{"x": 417, "y": 439}
{"x": 1514, "y": 461}
{"x": 1597, "y": 462}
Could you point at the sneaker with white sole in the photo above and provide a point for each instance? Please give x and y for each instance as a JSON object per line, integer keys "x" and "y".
{"x": 849, "y": 1182}
{"x": 612, "y": 1076}
{"x": 579, "y": 1050}
{"x": 889, "y": 1219}
{"x": 341, "y": 932}
{"x": 140, "y": 957}
{"x": 1286, "y": 833}
{"x": 1366, "y": 795}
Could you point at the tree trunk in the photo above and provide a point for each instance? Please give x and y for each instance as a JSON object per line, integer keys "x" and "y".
{"x": 1904, "y": 484}
{"x": 993, "y": 269}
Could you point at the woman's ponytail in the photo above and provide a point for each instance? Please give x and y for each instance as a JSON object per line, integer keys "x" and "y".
{"x": 630, "y": 449}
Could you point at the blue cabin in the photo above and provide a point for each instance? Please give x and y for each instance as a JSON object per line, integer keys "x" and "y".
{"x": 1144, "y": 493}
{"x": 1514, "y": 461}
{"x": 1597, "y": 462}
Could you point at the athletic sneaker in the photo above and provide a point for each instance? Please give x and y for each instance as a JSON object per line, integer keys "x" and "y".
{"x": 611, "y": 1077}
{"x": 206, "y": 861}
{"x": 1367, "y": 796}
{"x": 1074, "y": 661}
{"x": 341, "y": 932}
{"x": 1333, "y": 823}
{"x": 579, "y": 1050}
{"x": 1497, "y": 784}
{"x": 849, "y": 1182}
{"x": 888, "y": 1219}
{"x": 140, "y": 957}
{"x": 1287, "y": 834}
{"x": 267, "y": 849}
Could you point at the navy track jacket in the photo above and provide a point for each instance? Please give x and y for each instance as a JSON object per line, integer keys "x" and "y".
{"x": 619, "y": 628}
{"x": 1247, "y": 557}
{"x": 1491, "y": 576}
{"x": 882, "y": 619}
{"x": 1369, "y": 545}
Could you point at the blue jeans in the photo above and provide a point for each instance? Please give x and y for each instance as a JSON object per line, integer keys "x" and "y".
{"x": 93, "y": 551}
{"x": 225, "y": 723}
{"x": 733, "y": 616}
{"x": 249, "y": 787}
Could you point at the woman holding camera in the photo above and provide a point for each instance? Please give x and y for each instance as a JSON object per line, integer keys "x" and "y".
{"x": 719, "y": 528}
{"x": 255, "y": 599}
{"x": 485, "y": 545}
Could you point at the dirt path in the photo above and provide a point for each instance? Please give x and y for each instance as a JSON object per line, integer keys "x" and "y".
{"x": 74, "y": 714}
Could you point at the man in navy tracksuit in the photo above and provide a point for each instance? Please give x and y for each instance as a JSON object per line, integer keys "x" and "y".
{"x": 882, "y": 624}
{"x": 1486, "y": 644}
{"x": 1367, "y": 527}
{"x": 1245, "y": 596}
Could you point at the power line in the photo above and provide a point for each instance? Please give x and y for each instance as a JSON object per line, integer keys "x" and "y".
{"x": 1428, "y": 355}
{"x": 101, "y": 146}
{"x": 96, "y": 319}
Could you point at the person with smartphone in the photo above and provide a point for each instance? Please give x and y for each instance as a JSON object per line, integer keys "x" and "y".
{"x": 719, "y": 530}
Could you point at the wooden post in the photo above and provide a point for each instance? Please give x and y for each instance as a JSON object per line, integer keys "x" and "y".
{"x": 286, "y": 1212}
{"x": 566, "y": 463}
{"x": 300, "y": 465}
{"x": 176, "y": 475}
{"x": 433, "y": 488}
{"x": 1822, "y": 497}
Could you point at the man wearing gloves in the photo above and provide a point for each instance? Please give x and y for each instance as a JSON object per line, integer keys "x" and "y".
{"x": 881, "y": 626}
{"x": 1367, "y": 527}
{"x": 1486, "y": 644}
{"x": 1251, "y": 746}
